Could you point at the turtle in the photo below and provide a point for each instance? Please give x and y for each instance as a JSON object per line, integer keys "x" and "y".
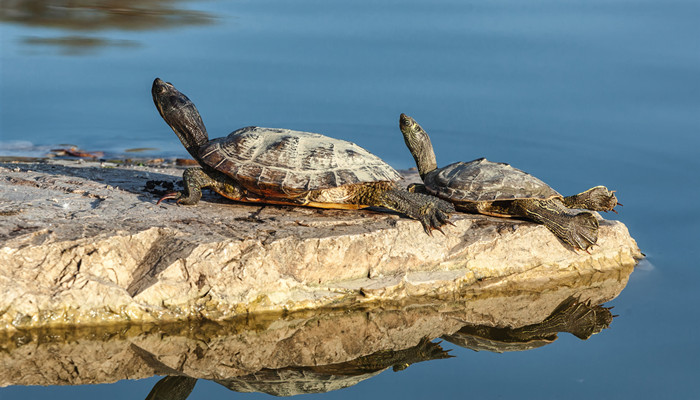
{"x": 497, "y": 189}
{"x": 288, "y": 167}
{"x": 302, "y": 379}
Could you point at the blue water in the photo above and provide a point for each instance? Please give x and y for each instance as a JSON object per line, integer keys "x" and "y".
{"x": 579, "y": 93}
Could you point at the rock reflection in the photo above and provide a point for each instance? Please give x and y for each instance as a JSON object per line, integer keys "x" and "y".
{"x": 87, "y": 17}
{"x": 312, "y": 352}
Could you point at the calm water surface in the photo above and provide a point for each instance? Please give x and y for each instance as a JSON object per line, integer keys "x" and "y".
{"x": 578, "y": 93}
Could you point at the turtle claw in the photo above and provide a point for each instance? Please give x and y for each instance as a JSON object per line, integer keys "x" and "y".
{"x": 433, "y": 213}
{"x": 169, "y": 196}
{"x": 434, "y": 219}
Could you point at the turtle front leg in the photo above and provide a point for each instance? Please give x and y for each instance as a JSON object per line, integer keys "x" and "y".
{"x": 431, "y": 211}
{"x": 598, "y": 198}
{"x": 195, "y": 179}
{"x": 578, "y": 229}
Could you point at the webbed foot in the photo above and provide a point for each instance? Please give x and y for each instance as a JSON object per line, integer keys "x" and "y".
{"x": 434, "y": 214}
{"x": 582, "y": 232}
{"x": 577, "y": 229}
{"x": 598, "y": 198}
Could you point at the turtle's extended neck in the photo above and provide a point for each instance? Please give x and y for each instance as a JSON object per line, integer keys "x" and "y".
{"x": 419, "y": 144}
{"x": 181, "y": 115}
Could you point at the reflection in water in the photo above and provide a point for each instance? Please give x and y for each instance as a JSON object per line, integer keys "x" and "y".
{"x": 291, "y": 381}
{"x": 580, "y": 319}
{"x": 325, "y": 378}
{"x": 172, "y": 388}
{"x": 312, "y": 352}
{"x": 97, "y": 15}
{"x": 75, "y": 45}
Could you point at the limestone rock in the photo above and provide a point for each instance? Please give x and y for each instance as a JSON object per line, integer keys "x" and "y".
{"x": 84, "y": 243}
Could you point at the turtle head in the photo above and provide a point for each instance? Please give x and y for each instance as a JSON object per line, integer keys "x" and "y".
{"x": 419, "y": 144}
{"x": 181, "y": 115}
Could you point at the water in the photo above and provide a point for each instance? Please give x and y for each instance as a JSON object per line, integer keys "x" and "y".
{"x": 577, "y": 93}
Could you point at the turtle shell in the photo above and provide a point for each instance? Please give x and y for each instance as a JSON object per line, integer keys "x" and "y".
{"x": 484, "y": 181}
{"x": 287, "y": 163}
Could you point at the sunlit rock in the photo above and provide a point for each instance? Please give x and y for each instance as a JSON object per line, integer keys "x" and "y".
{"x": 84, "y": 243}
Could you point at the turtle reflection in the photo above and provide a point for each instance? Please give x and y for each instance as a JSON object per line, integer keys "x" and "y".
{"x": 172, "y": 388}
{"x": 312, "y": 379}
{"x": 581, "y": 319}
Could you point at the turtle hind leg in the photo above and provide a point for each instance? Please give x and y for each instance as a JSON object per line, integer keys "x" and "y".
{"x": 581, "y": 319}
{"x": 577, "y": 229}
{"x": 431, "y": 211}
{"x": 598, "y": 198}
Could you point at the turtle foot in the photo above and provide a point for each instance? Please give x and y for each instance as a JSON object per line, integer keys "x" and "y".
{"x": 582, "y": 232}
{"x": 598, "y": 198}
{"x": 434, "y": 214}
{"x": 180, "y": 199}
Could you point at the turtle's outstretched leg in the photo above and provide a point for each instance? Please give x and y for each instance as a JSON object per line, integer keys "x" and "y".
{"x": 578, "y": 229}
{"x": 431, "y": 211}
{"x": 195, "y": 179}
{"x": 598, "y": 198}
{"x": 581, "y": 319}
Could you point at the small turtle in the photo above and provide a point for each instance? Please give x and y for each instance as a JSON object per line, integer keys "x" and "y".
{"x": 497, "y": 189}
{"x": 281, "y": 166}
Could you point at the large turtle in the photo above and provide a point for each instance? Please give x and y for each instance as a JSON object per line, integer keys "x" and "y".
{"x": 281, "y": 166}
{"x": 497, "y": 189}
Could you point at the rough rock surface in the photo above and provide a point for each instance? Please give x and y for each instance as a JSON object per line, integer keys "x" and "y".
{"x": 84, "y": 243}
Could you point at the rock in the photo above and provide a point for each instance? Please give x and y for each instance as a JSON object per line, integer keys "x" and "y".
{"x": 83, "y": 243}
{"x": 312, "y": 351}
